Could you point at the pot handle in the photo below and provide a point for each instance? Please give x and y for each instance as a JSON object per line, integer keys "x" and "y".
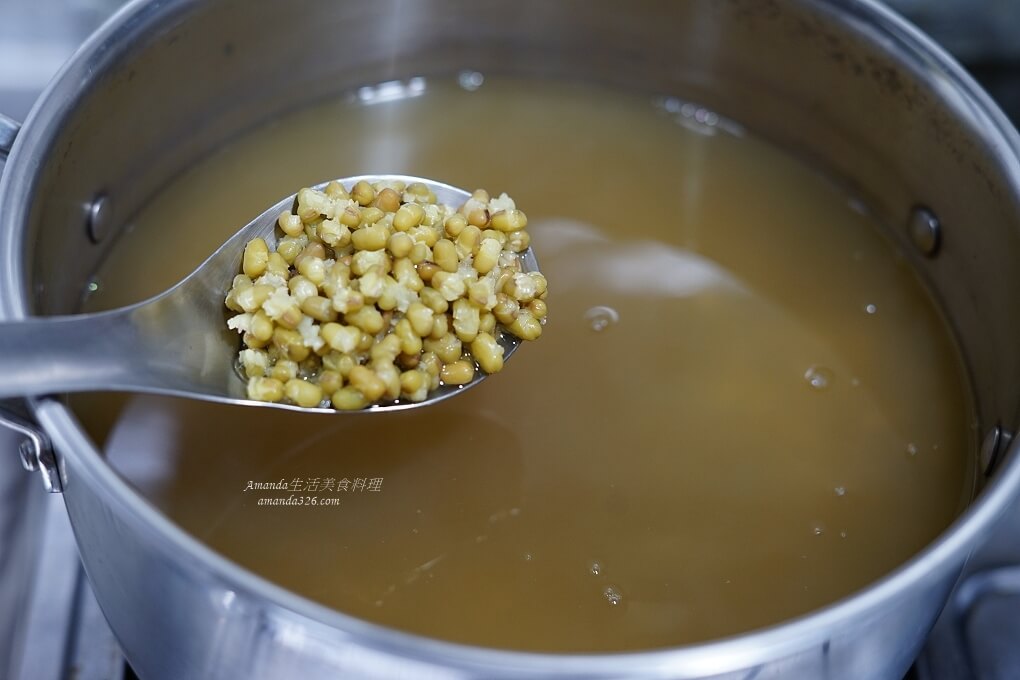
{"x": 35, "y": 449}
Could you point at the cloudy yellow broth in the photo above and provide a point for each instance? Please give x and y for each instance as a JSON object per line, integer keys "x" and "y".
{"x": 743, "y": 406}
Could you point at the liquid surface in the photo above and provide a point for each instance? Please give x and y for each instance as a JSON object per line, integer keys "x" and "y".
{"x": 743, "y": 406}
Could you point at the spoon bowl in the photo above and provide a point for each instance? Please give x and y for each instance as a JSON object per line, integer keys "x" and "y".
{"x": 177, "y": 343}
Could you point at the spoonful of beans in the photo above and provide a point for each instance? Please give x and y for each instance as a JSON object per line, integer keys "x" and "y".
{"x": 369, "y": 293}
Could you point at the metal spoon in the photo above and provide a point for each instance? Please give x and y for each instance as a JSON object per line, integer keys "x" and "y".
{"x": 176, "y": 343}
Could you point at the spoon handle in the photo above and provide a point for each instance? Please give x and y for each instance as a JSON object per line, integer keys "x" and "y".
{"x": 46, "y": 355}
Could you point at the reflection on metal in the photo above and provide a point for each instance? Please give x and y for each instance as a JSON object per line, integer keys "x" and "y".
{"x": 977, "y": 638}
{"x": 972, "y": 30}
{"x": 992, "y": 448}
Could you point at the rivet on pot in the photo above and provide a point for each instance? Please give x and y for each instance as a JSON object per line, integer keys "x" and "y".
{"x": 925, "y": 231}
{"x": 99, "y": 218}
{"x": 995, "y": 442}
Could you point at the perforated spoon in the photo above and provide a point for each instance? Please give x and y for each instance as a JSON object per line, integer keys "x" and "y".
{"x": 176, "y": 343}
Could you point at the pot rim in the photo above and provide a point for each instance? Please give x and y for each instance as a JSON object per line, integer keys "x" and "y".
{"x": 937, "y": 560}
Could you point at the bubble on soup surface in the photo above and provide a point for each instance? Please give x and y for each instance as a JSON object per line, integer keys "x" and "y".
{"x": 818, "y": 377}
{"x": 470, "y": 80}
{"x": 600, "y": 318}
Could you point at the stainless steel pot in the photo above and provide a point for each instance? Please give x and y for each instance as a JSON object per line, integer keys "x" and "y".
{"x": 843, "y": 83}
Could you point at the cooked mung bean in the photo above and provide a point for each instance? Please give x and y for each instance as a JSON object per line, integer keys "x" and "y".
{"x": 379, "y": 293}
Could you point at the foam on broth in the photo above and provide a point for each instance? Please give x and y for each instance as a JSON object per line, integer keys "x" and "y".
{"x": 743, "y": 406}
